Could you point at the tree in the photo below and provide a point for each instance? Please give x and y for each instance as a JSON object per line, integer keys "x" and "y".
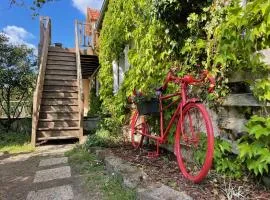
{"x": 16, "y": 79}
{"x": 35, "y": 4}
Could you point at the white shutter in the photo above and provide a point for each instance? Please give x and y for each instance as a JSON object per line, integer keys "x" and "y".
{"x": 115, "y": 76}
{"x": 127, "y": 65}
{"x": 121, "y": 69}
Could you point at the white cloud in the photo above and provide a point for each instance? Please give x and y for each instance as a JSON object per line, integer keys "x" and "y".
{"x": 18, "y": 35}
{"x": 82, "y": 5}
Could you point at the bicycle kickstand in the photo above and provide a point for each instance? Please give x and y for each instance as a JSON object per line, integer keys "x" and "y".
{"x": 154, "y": 154}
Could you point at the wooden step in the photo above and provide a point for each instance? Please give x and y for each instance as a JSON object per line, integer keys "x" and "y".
{"x": 60, "y": 62}
{"x": 62, "y": 72}
{"x": 58, "y": 128}
{"x": 39, "y": 139}
{"x": 57, "y": 95}
{"x": 60, "y": 82}
{"x": 63, "y": 101}
{"x": 58, "y": 115}
{"x": 58, "y": 124}
{"x": 60, "y": 91}
{"x": 61, "y": 77}
{"x": 60, "y": 88}
{"x": 57, "y": 108}
{"x": 57, "y": 134}
{"x": 61, "y": 67}
{"x": 59, "y": 49}
{"x": 62, "y": 58}
{"x": 61, "y": 54}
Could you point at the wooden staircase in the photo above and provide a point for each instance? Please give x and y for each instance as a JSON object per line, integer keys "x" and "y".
{"x": 59, "y": 109}
{"x": 58, "y": 97}
{"x": 58, "y": 102}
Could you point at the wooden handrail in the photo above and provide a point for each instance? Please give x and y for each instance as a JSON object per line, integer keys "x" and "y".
{"x": 45, "y": 41}
{"x": 79, "y": 80}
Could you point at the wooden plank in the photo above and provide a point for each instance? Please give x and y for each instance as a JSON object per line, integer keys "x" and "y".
{"x": 60, "y": 62}
{"x": 57, "y": 95}
{"x": 61, "y": 72}
{"x": 58, "y": 124}
{"x": 61, "y": 77}
{"x": 57, "y": 108}
{"x": 62, "y": 58}
{"x": 58, "y": 116}
{"x": 61, "y": 88}
{"x": 60, "y": 82}
{"x": 61, "y": 67}
{"x": 62, "y": 101}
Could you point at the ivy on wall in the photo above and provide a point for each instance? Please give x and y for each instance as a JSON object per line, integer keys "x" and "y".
{"x": 219, "y": 35}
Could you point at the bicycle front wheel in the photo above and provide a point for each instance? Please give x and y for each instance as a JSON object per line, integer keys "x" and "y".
{"x": 138, "y": 127}
{"x": 194, "y": 142}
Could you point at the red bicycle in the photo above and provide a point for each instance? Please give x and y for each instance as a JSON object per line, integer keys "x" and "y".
{"x": 194, "y": 137}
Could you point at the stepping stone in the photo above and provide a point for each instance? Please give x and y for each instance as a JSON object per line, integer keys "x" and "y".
{"x": 156, "y": 192}
{"x": 52, "y": 174}
{"x": 58, "y": 193}
{"x": 53, "y": 161}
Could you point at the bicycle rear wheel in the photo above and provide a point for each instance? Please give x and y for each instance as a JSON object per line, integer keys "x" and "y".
{"x": 138, "y": 126}
{"x": 194, "y": 142}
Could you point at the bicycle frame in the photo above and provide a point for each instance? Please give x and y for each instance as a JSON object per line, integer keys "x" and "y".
{"x": 183, "y": 100}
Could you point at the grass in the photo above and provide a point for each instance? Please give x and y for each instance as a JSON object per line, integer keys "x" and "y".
{"x": 97, "y": 179}
{"x": 15, "y": 143}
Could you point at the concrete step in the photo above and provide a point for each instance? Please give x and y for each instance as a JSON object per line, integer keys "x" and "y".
{"x": 62, "y": 58}
{"x": 61, "y": 72}
{"x": 58, "y": 124}
{"x": 60, "y": 95}
{"x": 61, "y": 67}
{"x": 63, "y": 101}
{"x": 61, "y": 77}
{"x": 60, "y": 88}
{"x": 57, "y": 108}
{"x": 60, "y": 82}
{"x": 58, "y": 115}
{"x": 60, "y": 62}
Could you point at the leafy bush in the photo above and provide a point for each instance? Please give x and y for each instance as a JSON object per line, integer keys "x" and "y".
{"x": 254, "y": 148}
{"x": 102, "y": 138}
{"x": 225, "y": 161}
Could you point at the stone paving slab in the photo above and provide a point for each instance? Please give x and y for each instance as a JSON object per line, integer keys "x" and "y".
{"x": 53, "y": 161}
{"x": 56, "y": 193}
{"x": 157, "y": 192}
{"x": 52, "y": 174}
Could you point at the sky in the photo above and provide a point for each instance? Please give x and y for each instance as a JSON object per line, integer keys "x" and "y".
{"x": 21, "y": 27}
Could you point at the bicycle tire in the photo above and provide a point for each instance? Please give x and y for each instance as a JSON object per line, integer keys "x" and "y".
{"x": 189, "y": 140}
{"x": 136, "y": 130}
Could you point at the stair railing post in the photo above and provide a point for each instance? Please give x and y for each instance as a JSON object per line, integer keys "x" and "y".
{"x": 79, "y": 80}
{"x": 45, "y": 29}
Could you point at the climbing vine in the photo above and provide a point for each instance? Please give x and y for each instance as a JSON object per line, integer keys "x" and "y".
{"x": 221, "y": 36}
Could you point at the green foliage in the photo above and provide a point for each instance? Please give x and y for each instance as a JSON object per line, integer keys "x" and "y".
{"x": 225, "y": 161}
{"x": 254, "y": 148}
{"x": 14, "y": 142}
{"x": 16, "y": 78}
{"x": 95, "y": 104}
{"x": 96, "y": 178}
{"x": 102, "y": 138}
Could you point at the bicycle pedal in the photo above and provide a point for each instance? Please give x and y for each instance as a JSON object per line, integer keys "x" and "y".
{"x": 153, "y": 154}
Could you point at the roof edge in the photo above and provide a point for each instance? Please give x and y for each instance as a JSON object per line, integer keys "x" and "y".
{"x": 102, "y": 14}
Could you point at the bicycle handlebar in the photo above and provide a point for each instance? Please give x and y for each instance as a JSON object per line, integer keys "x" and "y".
{"x": 188, "y": 79}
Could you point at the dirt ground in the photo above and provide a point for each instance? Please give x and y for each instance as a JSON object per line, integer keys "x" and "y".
{"x": 164, "y": 169}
